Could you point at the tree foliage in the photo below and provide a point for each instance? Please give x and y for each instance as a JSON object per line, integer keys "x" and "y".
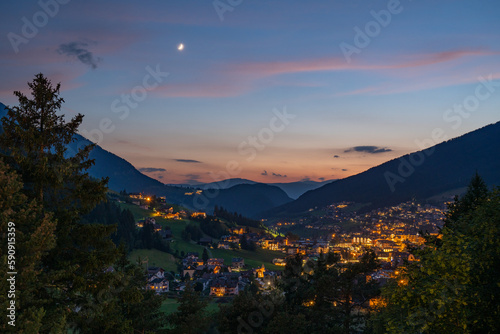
{"x": 31, "y": 233}
{"x": 64, "y": 263}
{"x": 191, "y": 316}
{"x": 455, "y": 285}
{"x": 323, "y": 296}
{"x": 236, "y": 218}
{"x": 211, "y": 226}
{"x": 108, "y": 213}
{"x": 192, "y": 232}
{"x": 332, "y": 295}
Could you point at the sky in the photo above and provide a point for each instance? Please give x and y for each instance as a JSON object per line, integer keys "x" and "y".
{"x": 273, "y": 91}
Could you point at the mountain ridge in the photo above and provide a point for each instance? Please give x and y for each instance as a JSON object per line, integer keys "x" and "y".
{"x": 445, "y": 166}
{"x": 292, "y": 189}
{"x": 247, "y": 199}
{"x": 124, "y": 176}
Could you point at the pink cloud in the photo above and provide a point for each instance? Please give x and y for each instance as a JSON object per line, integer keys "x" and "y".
{"x": 245, "y": 77}
{"x": 208, "y": 90}
{"x": 339, "y": 64}
{"x": 424, "y": 81}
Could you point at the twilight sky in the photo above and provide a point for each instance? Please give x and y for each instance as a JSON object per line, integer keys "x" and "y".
{"x": 274, "y": 91}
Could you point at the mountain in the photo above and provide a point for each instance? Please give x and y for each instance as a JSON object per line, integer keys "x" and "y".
{"x": 225, "y": 184}
{"x": 296, "y": 189}
{"x": 248, "y": 199}
{"x": 292, "y": 189}
{"x": 122, "y": 175}
{"x": 245, "y": 199}
{"x": 443, "y": 168}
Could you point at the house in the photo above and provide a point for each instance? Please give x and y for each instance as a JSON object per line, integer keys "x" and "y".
{"x": 199, "y": 215}
{"x": 259, "y": 272}
{"x": 190, "y": 270}
{"x": 192, "y": 258}
{"x": 223, "y": 245}
{"x": 270, "y": 278}
{"x": 279, "y": 262}
{"x": 362, "y": 241}
{"x": 399, "y": 258}
{"x": 274, "y": 245}
{"x": 320, "y": 249}
{"x": 224, "y": 287}
{"x": 159, "y": 285}
{"x": 156, "y": 272}
{"x": 269, "y": 243}
{"x": 172, "y": 216}
{"x": 215, "y": 262}
{"x": 230, "y": 239}
{"x": 237, "y": 230}
{"x": 237, "y": 263}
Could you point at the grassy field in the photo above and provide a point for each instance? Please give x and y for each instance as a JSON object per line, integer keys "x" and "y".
{"x": 156, "y": 258}
{"x": 138, "y": 212}
{"x": 252, "y": 259}
{"x": 167, "y": 261}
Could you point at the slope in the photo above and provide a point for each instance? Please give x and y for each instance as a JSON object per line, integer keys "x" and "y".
{"x": 421, "y": 175}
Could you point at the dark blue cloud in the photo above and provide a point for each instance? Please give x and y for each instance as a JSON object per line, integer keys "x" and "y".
{"x": 80, "y": 51}
{"x": 368, "y": 149}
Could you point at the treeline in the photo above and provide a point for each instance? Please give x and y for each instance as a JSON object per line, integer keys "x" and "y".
{"x": 211, "y": 226}
{"x": 237, "y": 218}
{"x": 191, "y": 232}
{"x": 127, "y": 234}
{"x": 108, "y": 213}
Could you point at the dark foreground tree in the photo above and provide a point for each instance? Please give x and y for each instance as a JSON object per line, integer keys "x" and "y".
{"x": 75, "y": 271}
{"x": 454, "y": 287}
{"x": 191, "y": 316}
{"x": 323, "y": 296}
{"x": 27, "y": 235}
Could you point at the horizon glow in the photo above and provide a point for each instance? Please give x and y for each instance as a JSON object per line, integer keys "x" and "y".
{"x": 366, "y": 82}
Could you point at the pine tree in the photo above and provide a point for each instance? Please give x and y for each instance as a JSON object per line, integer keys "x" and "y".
{"x": 454, "y": 287}
{"x": 205, "y": 255}
{"x": 34, "y": 144}
{"x": 31, "y": 232}
{"x": 191, "y": 316}
{"x": 328, "y": 293}
{"x": 477, "y": 192}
